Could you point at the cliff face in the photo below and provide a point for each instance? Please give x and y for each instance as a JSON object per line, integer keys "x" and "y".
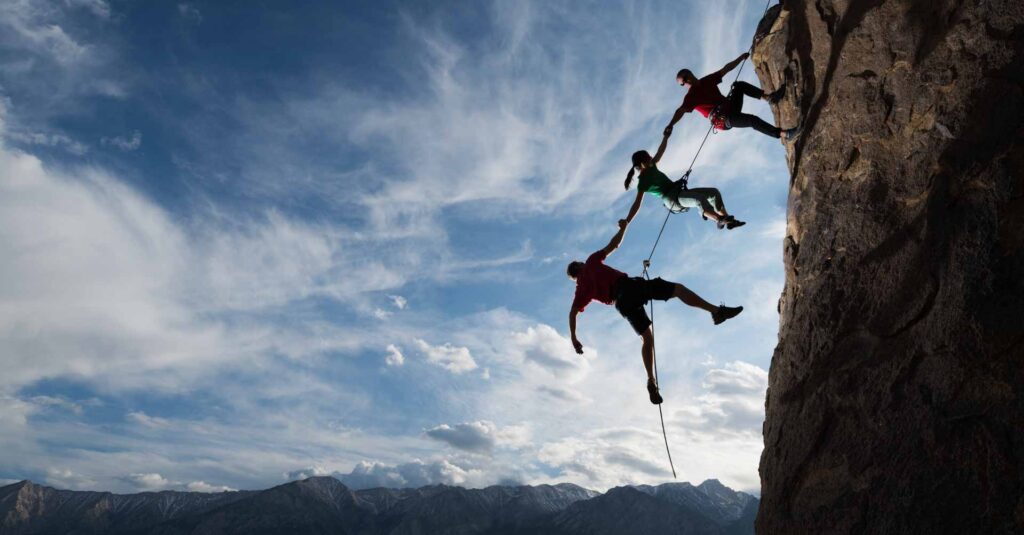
{"x": 896, "y": 392}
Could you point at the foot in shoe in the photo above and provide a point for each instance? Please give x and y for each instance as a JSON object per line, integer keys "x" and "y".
{"x": 723, "y": 313}
{"x": 652, "y": 391}
{"x": 792, "y": 133}
{"x": 721, "y": 223}
{"x": 776, "y": 96}
{"x": 733, "y": 223}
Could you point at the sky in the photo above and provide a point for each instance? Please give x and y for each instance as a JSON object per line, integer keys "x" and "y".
{"x": 249, "y": 242}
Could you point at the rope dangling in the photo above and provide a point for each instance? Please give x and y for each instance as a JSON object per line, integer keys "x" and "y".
{"x": 654, "y": 362}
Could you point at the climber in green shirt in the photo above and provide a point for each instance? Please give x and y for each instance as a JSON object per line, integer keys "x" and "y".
{"x": 675, "y": 195}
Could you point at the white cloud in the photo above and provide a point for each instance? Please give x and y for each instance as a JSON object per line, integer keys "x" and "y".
{"x": 394, "y": 356}
{"x": 481, "y": 437}
{"x": 100, "y": 8}
{"x": 146, "y": 420}
{"x": 51, "y": 401}
{"x": 202, "y": 486}
{"x": 306, "y": 473}
{"x": 416, "y": 473}
{"x": 475, "y": 437}
{"x": 62, "y": 478}
{"x": 454, "y": 359}
{"x": 399, "y": 301}
{"x": 412, "y": 474}
{"x": 48, "y": 140}
{"x": 381, "y": 314}
{"x": 732, "y": 403}
{"x": 127, "y": 144}
{"x": 148, "y": 482}
{"x": 542, "y": 346}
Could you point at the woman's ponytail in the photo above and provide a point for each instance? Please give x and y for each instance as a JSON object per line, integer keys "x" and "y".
{"x": 629, "y": 176}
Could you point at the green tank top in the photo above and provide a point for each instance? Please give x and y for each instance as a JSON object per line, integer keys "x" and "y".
{"x": 654, "y": 181}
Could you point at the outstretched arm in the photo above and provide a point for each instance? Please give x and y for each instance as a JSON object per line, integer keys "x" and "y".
{"x": 632, "y": 209}
{"x": 572, "y": 330}
{"x": 616, "y": 239}
{"x": 732, "y": 64}
{"x": 661, "y": 148}
{"x": 675, "y": 119}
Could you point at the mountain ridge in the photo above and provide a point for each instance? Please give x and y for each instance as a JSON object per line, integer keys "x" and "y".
{"x": 325, "y": 505}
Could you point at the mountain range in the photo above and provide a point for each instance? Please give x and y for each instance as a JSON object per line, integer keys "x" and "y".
{"x": 325, "y": 505}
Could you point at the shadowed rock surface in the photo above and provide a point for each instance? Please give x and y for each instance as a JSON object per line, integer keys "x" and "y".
{"x": 324, "y": 505}
{"x": 896, "y": 392}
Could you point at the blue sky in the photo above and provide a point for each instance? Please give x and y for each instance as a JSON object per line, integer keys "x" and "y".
{"x": 248, "y": 242}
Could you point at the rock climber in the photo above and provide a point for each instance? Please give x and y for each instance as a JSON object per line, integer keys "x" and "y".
{"x": 726, "y": 112}
{"x": 674, "y": 195}
{"x": 595, "y": 280}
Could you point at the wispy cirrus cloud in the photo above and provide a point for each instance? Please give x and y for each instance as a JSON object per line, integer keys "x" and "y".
{"x": 233, "y": 307}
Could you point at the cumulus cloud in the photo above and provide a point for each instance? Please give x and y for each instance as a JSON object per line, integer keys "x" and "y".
{"x": 306, "y": 473}
{"x": 732, "y": 402}
{"x": 202, "y": 486}
{"x": 417, "y": 473}
{"x": 127, "y": 144}
{"x": 63, "y": 478}
{"x": 148, "y": 482}
{"x": 481, "y": 436}
{"x": 394, "y": 356}
{"x": 606, "y": 457}
{"x": 454, "y": 359}
{"x": 476, "y": 437}
{"x": 543, "y": 346}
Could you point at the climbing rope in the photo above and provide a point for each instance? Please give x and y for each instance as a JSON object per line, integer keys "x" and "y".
{"x": 647, "y": 263}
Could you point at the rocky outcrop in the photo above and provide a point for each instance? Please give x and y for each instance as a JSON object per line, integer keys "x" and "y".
{"x": 896, "y": 392}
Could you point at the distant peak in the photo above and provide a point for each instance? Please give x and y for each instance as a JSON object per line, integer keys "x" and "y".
{"x": 712, "y": 483}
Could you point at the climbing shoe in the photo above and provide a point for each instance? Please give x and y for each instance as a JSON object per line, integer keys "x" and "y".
{"x": 721, "y": 223}
{"x": 775, "y": 96}
{"x": 652, "y": 390}
{"x": 733, "y": 223}
{"x": 723, "y": 313}
{"x": 792, "y": 133}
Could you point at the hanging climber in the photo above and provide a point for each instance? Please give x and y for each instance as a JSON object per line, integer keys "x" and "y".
{"x": 595, "y": 280}
{"x": 726, "y": 112}
{"x": 675, "y": 195}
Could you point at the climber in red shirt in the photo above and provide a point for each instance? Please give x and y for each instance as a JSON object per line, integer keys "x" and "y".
{"x": 597, "y": 281}
{"x": 726, "y": 112}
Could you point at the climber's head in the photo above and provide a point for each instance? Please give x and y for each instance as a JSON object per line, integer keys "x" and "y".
{"x": 685, "y": 77}
{"x": 573, "y": 269}
{"x": 641, "y": 160}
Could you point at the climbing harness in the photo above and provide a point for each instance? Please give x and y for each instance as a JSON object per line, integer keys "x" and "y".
{"x": 647, "y": 263}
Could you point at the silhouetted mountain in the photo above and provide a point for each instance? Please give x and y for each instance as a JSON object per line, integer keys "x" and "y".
{"x": 324, "y": 505}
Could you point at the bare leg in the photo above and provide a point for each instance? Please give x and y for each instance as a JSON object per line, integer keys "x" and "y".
{"x": 648, "y": 352}
{"x": 687, "y": 296}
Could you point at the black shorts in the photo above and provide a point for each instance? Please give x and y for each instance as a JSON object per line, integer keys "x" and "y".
{"x": 632, "y": 293}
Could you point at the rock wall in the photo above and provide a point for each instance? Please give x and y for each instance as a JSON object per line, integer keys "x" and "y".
{"x": 896, "y": 392}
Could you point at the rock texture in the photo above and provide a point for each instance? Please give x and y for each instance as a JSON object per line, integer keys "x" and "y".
{"x": 896, "y": 392}
{"x": 324, "y": 505}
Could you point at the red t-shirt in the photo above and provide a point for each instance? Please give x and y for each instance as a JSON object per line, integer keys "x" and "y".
{"x": 595, "y": 281}
{"x": 704, "y": 95}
